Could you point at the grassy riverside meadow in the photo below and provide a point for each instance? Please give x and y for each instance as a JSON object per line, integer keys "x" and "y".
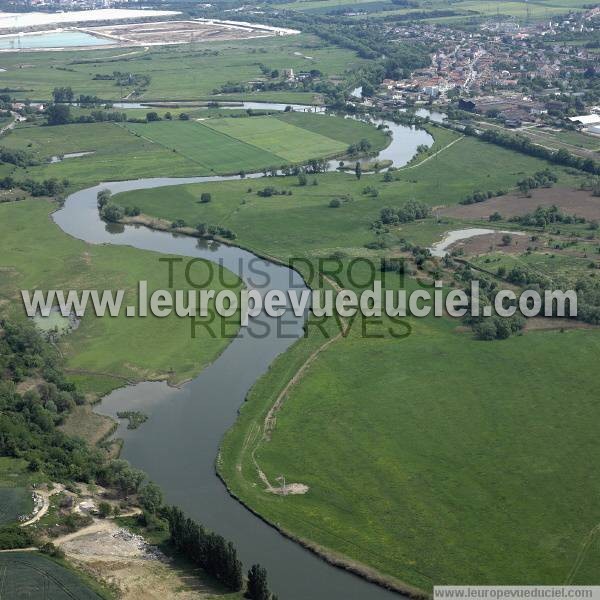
{"x": 431, "y": 459}
{"x": 37, "y": 255}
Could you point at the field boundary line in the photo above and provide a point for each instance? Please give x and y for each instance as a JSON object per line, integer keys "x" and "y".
{"x": 239, "y": 141}
{"x": 405, "y": 168}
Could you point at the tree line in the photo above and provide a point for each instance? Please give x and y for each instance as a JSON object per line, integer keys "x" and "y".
{"x": 215, "y": 555}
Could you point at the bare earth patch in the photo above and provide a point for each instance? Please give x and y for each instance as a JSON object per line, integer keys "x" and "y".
{"x": 124, "y": 561}
{"x": 545, "y": 324}
{"x": 572, "y": 202}
{"x": 481, "y": 244}
{"x": 83, "y": 422}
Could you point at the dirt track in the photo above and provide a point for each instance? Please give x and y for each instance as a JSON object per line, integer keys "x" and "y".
{"x": 45, "y": 495}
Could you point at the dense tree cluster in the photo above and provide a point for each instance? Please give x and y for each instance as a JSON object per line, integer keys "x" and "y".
{"x": 63, "y": 94}
{"x": 543, "y": 216}
{"x": 498, "y": 328}
{"x": 410, "y": 211}
{"x": 28, "y": 422}
{"x": 359, "y": 148}
{"x": 102, "y": 116}
{"x": 269, "y": 191}
{"x": 58, "y": 114}
{"x": 479, "y": 196}
{"x": 47, "y": 187}
{"x": 545, "y": 178}
{"x": 137, "y": 80}
{"x": 110, "y": 211}
{"x": 208, "y": 550}
{"x": 19, "y": 158}
{"x": 257, "y": 587}
{"x": 212, "y": 231}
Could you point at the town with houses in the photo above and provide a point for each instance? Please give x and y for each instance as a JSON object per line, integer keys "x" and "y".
{"x": 518, "y": 73}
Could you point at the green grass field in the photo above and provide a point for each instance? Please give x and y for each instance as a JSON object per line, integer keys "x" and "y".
{"x": 212, "y": 151}
{"x": 580, "y": 140}
{"x": 15, "y": 489}
{"x": 37, "y": 255}
{"x": 520, "y": 9}
{"x": 348, "y": 131}
{"x": 304, "y": 224}
{"x": 433, "y": 459}
{"x": 117, "y": 154}
{"x": 184, "y": 148}
{"x": 288, "y": 142}
{"x": 29, "y": 575}
{"x": 200, "y": 68}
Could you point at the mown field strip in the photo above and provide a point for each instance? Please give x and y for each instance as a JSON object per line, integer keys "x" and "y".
{"x": 211, "y": 149}
{"x": 291, "y": 143}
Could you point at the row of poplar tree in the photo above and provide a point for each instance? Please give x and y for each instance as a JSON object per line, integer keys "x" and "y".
{"x": 216, "y": 556}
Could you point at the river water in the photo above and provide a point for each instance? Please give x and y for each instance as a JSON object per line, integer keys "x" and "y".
{"x": 178, "y": 444}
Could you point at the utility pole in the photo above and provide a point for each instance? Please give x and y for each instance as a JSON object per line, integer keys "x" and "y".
{"x": 281, "y": 478}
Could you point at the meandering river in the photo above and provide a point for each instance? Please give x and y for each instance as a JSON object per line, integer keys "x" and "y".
{"x": 178, "y": 444}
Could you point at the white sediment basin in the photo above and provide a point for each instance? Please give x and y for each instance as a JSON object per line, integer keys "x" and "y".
{"x": 19, "y": 21}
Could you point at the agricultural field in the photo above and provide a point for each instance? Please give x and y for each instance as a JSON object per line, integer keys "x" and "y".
{"x": 183, "y": 148}
{"x": 348, "y": 131}
{"x": 108, "y": 144}
{"x": 573, "y": 138}
{"x": 29, "y": 575}
{"x": 201, "y": 68}
{"x": 210, "y": 150}
{"x": 37, "y": 255}
{"x": 571, "y": 201}
{"x": 288, "y": 142}
{"x": 519, "y": 9}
